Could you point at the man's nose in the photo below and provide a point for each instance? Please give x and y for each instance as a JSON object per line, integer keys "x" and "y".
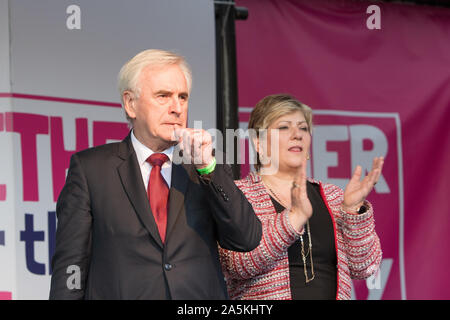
{"x": 175, "y": 106}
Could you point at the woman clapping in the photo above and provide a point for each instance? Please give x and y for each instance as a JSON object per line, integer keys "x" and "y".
{"x": 316, "y": 237}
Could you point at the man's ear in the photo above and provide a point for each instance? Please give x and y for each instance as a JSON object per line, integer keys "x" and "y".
{"x": 129, "y": 104}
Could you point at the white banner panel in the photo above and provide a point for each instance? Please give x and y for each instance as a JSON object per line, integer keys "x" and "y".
{"x": 58, "y": 95}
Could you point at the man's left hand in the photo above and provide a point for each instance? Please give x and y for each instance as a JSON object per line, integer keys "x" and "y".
{"x": 196, "y": 145}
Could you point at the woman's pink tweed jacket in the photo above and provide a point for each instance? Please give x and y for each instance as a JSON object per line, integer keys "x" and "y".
{"x": 264, "y": 272}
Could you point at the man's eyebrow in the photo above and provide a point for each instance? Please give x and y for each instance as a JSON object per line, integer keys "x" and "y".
{"x": 163, "y": 92}
{"x": 168, "y": 92}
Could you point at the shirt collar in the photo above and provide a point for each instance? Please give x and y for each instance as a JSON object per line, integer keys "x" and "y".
{"x": 143, "y": 152}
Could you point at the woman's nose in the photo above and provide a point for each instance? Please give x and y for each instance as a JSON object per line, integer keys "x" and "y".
{"x": 297, "y": 134}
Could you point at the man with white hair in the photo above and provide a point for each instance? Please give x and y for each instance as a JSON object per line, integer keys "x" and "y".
{"x": 133, "y": 223}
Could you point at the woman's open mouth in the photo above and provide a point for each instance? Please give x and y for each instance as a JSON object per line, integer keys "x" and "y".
{"x": 296, "y": 149}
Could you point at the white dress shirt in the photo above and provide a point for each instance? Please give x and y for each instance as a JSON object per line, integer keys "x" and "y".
{"x": 143, "y": 152}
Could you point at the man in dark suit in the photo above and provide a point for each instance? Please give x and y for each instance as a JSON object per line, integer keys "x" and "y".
{"x": 133, "y": 223}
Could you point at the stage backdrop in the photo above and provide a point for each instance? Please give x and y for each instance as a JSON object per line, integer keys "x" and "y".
{"x": 59, "y": 62}
{"x": 378, "y": 80}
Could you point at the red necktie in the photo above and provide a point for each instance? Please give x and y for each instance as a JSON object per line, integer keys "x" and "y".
{"x": 158, "y": 192}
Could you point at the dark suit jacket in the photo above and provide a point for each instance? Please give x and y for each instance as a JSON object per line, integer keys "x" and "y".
{"x": 107, "y": 229}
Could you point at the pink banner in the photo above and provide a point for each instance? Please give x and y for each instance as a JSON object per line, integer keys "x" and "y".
{"x": 5, "y": 295}
{"x": 378, "y": 79}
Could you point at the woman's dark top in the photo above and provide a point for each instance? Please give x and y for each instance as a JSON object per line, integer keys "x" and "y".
{"x": 324, "y": 285}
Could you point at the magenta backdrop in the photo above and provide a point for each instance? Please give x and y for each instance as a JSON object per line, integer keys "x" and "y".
{"x": 394, "y": 81}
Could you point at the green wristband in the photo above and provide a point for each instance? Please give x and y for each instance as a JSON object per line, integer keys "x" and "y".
{"x": 210, "y": 168}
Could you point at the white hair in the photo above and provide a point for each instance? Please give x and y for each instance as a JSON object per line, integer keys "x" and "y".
{"x": 128, "y": 78}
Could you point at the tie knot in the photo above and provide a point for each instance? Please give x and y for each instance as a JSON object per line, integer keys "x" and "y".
{"x": 157, "y": 159}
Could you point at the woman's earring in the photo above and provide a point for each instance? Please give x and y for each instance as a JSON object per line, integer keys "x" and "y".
{"x": 307, "y": 156}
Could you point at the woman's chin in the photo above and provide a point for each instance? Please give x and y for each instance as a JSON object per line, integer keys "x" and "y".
{"x": 290, "y": 165}
{"x": 294, "y": 162}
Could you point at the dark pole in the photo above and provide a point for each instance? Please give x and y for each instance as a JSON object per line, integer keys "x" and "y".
{"x": 226, "y": 74}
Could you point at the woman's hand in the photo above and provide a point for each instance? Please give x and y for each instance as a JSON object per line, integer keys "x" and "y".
{"x": 301, "y": 209}
{"x": 356, "y": 190}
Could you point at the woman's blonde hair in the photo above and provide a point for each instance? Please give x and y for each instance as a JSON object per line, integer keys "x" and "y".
{"x": 271, "y": 108}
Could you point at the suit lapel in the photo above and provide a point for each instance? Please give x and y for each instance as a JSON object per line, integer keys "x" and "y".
{"x": 131, "y": 177}
{"x": 179, "y": 184}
